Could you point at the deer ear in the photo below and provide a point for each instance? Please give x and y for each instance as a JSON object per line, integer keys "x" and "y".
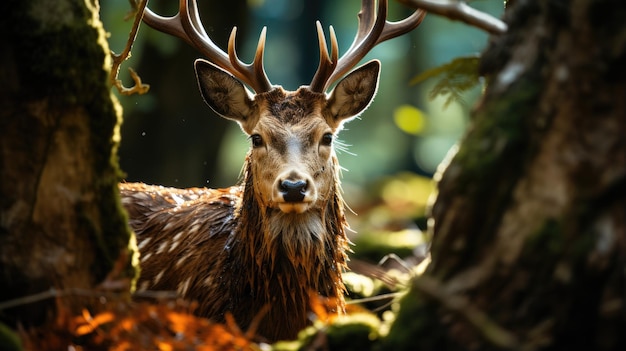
{"x": 353, "y": 94}
{"x": 223, "y": 92}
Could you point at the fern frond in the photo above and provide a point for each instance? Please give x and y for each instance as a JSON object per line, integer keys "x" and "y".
{"x": 457, "y": 77}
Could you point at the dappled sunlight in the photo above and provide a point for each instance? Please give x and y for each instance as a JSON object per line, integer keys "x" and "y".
{"x": 409, "y": 119}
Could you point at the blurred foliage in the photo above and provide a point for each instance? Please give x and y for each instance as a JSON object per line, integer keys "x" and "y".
{"x": 406, "y": 194}
{"x": 457, "y": 77}
{"x": 374, "y": 245}
{"x": 360, "y": 286}
{"x": 393, "y": 202}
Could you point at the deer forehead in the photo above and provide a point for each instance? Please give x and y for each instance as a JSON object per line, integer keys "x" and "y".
{"x": 305, "y": 132}
{"x": 287, "y": 117}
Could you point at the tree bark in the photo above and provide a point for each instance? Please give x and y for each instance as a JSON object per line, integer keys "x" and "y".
{"x": 529, "y": 247}
{"x": 61, "y": 223}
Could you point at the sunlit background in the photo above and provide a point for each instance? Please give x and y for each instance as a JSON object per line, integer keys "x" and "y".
{"x": 171, "y": 138}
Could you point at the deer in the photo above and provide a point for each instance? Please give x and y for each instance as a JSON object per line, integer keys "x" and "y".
{"x": 264, "y": 247}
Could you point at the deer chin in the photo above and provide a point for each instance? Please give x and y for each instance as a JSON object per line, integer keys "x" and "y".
{"x": 294, "y": 207}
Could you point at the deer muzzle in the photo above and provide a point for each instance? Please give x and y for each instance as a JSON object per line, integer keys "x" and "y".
{"x": 294, "y": 192}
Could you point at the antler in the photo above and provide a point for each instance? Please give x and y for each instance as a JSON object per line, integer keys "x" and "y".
{"x": 186, "y": 25}
{"x": 373, "y": 29}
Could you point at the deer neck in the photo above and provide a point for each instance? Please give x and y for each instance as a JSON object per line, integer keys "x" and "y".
{"x": 293, "y": 255}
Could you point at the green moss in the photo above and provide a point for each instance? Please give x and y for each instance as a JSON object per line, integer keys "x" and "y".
{"x": 548, "y": 239}
{"x": 414, "y": 327}
{"x": 353, "y": 332}
{"x": 551, "y": 239}
{"x": 105, "y": 120}
{"x": 358, "y": 332}
{"x": 9, "y": 340}
{"x": 498, "y": 130}
{"x": 360, "y": 286}
{"x": 490, "y": 160}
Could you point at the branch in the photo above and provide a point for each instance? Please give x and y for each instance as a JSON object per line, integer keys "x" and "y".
{"x": 460, "y": 11}
{"x": 139, "y": 87}
{"x": 57, "y": 293}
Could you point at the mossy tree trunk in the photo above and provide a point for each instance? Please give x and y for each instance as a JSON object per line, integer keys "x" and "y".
{"x": 61, "y": 224}
{"x": 529, "y": 247}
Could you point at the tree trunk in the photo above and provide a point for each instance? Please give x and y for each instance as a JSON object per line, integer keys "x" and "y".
{"x": 529, "y": 247}
{"x": 61, "y": 223}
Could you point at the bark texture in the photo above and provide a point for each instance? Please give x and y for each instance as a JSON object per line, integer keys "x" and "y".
{"x": 529, "y": 225}
{"x": 61, "y": 223}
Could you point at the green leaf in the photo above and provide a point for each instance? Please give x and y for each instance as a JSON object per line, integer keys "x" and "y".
{"x": 457, "y": 77}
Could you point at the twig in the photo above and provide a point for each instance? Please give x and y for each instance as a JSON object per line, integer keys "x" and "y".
{"x": 375, "y": 298}
{"x": 460, "y": 11}
{"x": 52, "y": 293}
{"x": 139, "y": 87}
{"x": 256, "y": 322}
{"x": 156, "y": 294}
{"x": 390, "y": 297}
{"x": 25, "y": 300}
{"x": 373, "y": 271}
{"x": 56, "y": 293}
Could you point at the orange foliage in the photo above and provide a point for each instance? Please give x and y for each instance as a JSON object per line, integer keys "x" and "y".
{"x": 122, "y": 326}
{"x": 325, "y": 308}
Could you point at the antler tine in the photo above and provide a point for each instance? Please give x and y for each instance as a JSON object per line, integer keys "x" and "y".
{"x": 367, "y": 19}
{"x": 186, "y": 25}
{"x": 373, "y": 29}
{"x": 395, "y": 29}
{"x": 194, "y": 17}
{"x": 253, "y": 73}
{"x": 169, "y": 25}
{"x": 327, "y": 63}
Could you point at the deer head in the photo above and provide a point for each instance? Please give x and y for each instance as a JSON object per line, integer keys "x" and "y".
{"x": 291, "y": 133}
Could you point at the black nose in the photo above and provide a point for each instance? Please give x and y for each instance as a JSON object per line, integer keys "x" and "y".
{"x": 293, "y": 191}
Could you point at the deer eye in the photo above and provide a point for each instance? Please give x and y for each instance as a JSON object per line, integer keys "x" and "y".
{"x": 327, "y": 139}
{"x": 257, "y": 141}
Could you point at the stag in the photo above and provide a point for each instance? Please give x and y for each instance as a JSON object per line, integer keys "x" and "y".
{"x": 279, "y": 236}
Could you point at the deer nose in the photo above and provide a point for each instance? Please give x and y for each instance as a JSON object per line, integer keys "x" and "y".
{"x": 293, "y": 191}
